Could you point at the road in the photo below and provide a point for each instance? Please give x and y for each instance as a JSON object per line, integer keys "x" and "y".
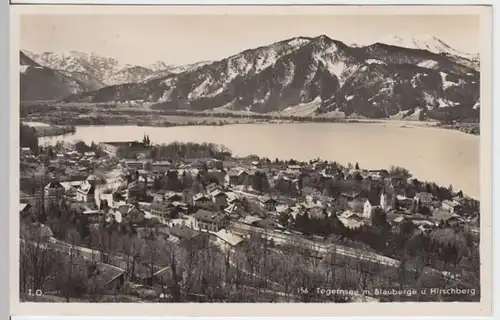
{"x": 338, "y": 249}
{"x": 322, "y": 248}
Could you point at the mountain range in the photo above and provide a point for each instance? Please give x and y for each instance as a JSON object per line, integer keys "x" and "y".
{"x": 297, "y": 76}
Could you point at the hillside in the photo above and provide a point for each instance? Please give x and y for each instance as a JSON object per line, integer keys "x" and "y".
{"x": 42, "y": 83}
{"x": 375, "y": 81}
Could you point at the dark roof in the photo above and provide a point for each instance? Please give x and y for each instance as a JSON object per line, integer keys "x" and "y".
{"x": 374, "y": 200}
{"x": 265, "y": 224}
{"x": 54, "y": 185}
{"x": 232, "y": 173}
{"x": 183, "y": 232}
{"x": 173, "y": 196}
{"x": 209, "y": 216}
{"x": 211, "y": 187}
{"x": 104, "y": 274}
{"x": 159, "y": 205}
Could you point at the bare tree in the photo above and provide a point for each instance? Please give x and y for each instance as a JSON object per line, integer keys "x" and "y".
{"x": 37, "y": 261}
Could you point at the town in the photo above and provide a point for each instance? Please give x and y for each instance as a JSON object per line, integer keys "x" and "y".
{"x": 134, "y": 221}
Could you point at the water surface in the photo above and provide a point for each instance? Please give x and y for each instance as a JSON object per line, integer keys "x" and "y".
{"x": 440, "y": 155}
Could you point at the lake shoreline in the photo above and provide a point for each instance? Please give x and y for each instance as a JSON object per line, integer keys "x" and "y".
{"x": 430, "y": 152}
{"x": 108, "y": 115}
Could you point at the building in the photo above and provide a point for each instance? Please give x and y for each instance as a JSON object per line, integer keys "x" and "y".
{"x": 25, "y": 152}
{"x": 351, "y": 223}
{"x": 161, "y": 166}
{"x": 404, "y": 202}
{"x": 424, "y": 199}
{"x": 183, "y": 234}
{"x": 202, "y": 200}
{"x": 54, "y": 189}
{"x": 86, "y": 192}
{"x": 227, "y": 240}
{"x": 215, "y": 164}
{"x": 173, "y": 196}
{"x": 209, "y": 220}
{"x": 213, "y": 187}
{"x": 268, "y": 203}
{"x": 106, "y": 277}
{"x": 219, "y": 198}
{"x": 160, "y": 209}
{"x": 24, "y": 209}
{"x": 127, "y": 149}
{"x": 232, "y": 178}
{"x": 135, "y": 164}
{"x": 451, "y": 206}
{"x": 373, "y": 203}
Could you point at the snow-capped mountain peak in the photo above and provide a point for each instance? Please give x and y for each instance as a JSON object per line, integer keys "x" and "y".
{"x": 424, "y": 42}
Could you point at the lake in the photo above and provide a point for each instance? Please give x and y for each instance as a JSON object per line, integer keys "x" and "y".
{"x": 443, "y": 156}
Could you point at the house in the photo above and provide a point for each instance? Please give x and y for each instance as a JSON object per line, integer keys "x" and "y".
{"x": 161, "y": 166}
{"x": 24, "y": 209}
{"x": 255, "y": 164}
{"x": 451, "y": 206}
{"x": 467, "y": 202}
{"x": 71, "y": 187}
{"x": 198, "y": 164}
{"x": 378, "y": 174}
{"x": 219, "y": 198}
{"x": 268, "y": 203}
{"x": 185, "y": 234}
{"x": 231, "y": 178}
{"x": 202, "y": 200}
{"x": 127, "y": 149}
{"x": 134, "y": 164}
{"x": 404, "y": 202}
{"x": 215, "y": 164}
{"x": 242, "y": 176}
{"x": 131, "y": 212}
{"x": 160, "y": 209}
{"x": 399, "y": 219}
{"x": 374, "y": 202}
{"x": 54, "y": 189}
{"x": 212, "y": 187}
{"x": 424, "y": 199}
{"x": 148, "y": 275}
{"x": 350, "y": 196}
{"x": 265, "y": 224}
{"x": 86, "y": 192}
{"x": 446, "y": 216}
{"x": 350, "y": 215}
{"x": 89, "y": 154}
{"x": 106, "y": 277}
{"x": 209, "y": 220}
{"x": 227, "y": 240}
{"x": 352, "y": 222}
{"x": 234, "y": 210}
{"x": 180, "y": 207}
{"x": 398, "y": 182}
{"x": 25, "y": 152}
{"x": 135, "y": 190}
{"x": 173, "y": 196}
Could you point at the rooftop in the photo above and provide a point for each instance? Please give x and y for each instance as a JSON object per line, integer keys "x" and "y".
{"x": 229, "y": 237}
{"x": 209, "y": 216}
{"x": 183, "y": 232}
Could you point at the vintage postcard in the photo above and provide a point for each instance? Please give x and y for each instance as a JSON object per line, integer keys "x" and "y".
{"x": 197, "y": 161}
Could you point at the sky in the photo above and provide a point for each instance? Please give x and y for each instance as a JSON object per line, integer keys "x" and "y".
{"x": 183, "y": 39}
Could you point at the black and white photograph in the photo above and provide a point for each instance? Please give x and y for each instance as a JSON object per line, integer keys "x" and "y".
{"x": 250, "y": 158}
